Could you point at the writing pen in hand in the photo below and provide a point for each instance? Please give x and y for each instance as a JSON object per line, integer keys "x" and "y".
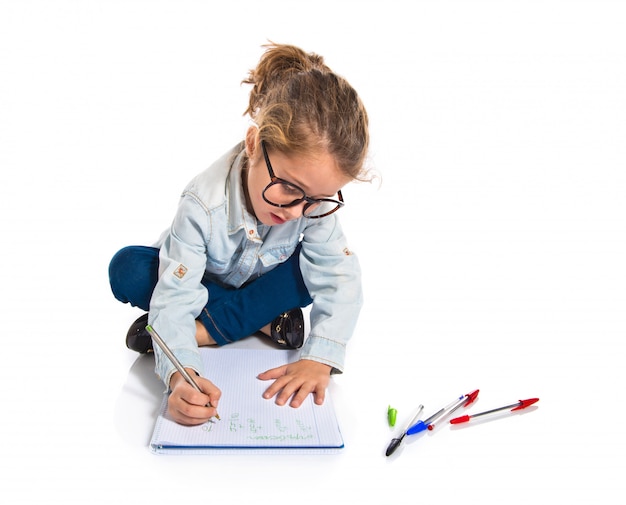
{"x": 428, "y": 424}
{"x": 395, "y": 443}
{"x": 522, "y": 404}
{"x": 166, "y": 350}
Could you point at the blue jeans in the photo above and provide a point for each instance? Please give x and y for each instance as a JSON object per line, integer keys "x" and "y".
{"x": 230, "y": 314}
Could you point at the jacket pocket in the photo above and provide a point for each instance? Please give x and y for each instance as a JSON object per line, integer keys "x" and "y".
{"x": 277, "y": 254}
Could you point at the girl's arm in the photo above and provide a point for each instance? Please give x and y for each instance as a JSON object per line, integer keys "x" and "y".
{"x": 179, "y": 295}
{"x": 332, "y": 274}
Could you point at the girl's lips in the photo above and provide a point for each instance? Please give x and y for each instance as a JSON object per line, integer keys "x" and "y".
{"x": 277, "y": 219}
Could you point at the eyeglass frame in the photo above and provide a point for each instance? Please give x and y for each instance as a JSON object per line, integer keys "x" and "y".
{"x": 309, "y": 201}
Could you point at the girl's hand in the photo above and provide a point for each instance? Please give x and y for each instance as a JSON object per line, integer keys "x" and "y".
{"x": 188, "y": 406}
{"x": 302, "y": 377}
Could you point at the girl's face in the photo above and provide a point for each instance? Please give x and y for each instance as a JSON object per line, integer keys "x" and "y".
{"x": 317, "y": 174}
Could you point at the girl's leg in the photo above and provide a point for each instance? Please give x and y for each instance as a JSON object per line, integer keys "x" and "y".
{"x": 230, "y": 314}
{"x": 233, "y": 314}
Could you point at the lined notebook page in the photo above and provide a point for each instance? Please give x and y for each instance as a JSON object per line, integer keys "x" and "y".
{"x": 247, "y": 420}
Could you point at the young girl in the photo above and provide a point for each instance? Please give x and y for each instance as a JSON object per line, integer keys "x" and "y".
{"x": 256, "y": 237}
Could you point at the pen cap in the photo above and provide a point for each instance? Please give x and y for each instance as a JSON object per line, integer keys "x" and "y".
{"x": 391, "y": 416}
{"x": 417, "y": 428}
{"x": 525, "y": 403}
{"x": 395, "y": 443}
{"x": 459, "y": 420}
{"x": 471, "y": 397}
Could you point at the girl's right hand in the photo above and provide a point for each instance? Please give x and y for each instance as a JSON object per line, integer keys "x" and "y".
{"x": 188, "y": 406}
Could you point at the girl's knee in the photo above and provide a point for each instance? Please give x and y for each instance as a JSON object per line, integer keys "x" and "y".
{"x": 133, "y": 274}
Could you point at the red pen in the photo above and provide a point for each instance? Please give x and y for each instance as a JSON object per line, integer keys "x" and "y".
{"x": 522, "y": 404}
{"x": 464, "y": 401}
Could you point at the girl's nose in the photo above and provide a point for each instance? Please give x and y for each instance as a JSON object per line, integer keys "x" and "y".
{"x": 291, "y": 213}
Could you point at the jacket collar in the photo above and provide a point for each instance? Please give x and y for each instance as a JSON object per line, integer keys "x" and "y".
{"x": 238, "y": 215}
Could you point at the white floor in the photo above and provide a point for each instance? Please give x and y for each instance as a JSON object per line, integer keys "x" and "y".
{"x": 493, "y": 251}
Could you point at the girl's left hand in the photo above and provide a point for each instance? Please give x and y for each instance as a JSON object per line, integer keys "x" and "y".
{"x": 302, "y": 377}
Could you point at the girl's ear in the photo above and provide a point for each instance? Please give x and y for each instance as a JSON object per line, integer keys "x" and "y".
{"x": 252, "y": 141}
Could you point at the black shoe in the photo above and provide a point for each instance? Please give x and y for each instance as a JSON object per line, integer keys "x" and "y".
{"x": 137, "y": 338}
{"x": 287, "y": 330}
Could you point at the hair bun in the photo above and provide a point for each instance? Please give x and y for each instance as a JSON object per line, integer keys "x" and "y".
{"x": 278, "y": 64}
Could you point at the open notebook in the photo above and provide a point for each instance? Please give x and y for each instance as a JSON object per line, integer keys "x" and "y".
{"x": 249, "y": 422}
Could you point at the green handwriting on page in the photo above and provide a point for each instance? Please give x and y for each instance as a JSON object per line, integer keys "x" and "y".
{"x": 277, "y": 430}
{"x": 249, "y": 422}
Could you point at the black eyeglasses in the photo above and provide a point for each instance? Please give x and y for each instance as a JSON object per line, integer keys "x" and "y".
{"x": 281, "y": 193}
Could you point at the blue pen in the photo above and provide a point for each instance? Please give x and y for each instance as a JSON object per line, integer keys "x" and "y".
{"x": 448, "y": 409}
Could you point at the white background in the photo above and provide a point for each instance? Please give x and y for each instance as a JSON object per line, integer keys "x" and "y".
{"x": 492, "y": 251}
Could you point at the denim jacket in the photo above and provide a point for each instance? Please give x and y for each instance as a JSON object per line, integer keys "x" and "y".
{"x": 213, "y": 233}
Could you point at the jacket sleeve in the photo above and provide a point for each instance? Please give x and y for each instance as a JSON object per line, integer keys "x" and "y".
{"x": 332, "y": 274}
{"x": 179, "y": 295}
